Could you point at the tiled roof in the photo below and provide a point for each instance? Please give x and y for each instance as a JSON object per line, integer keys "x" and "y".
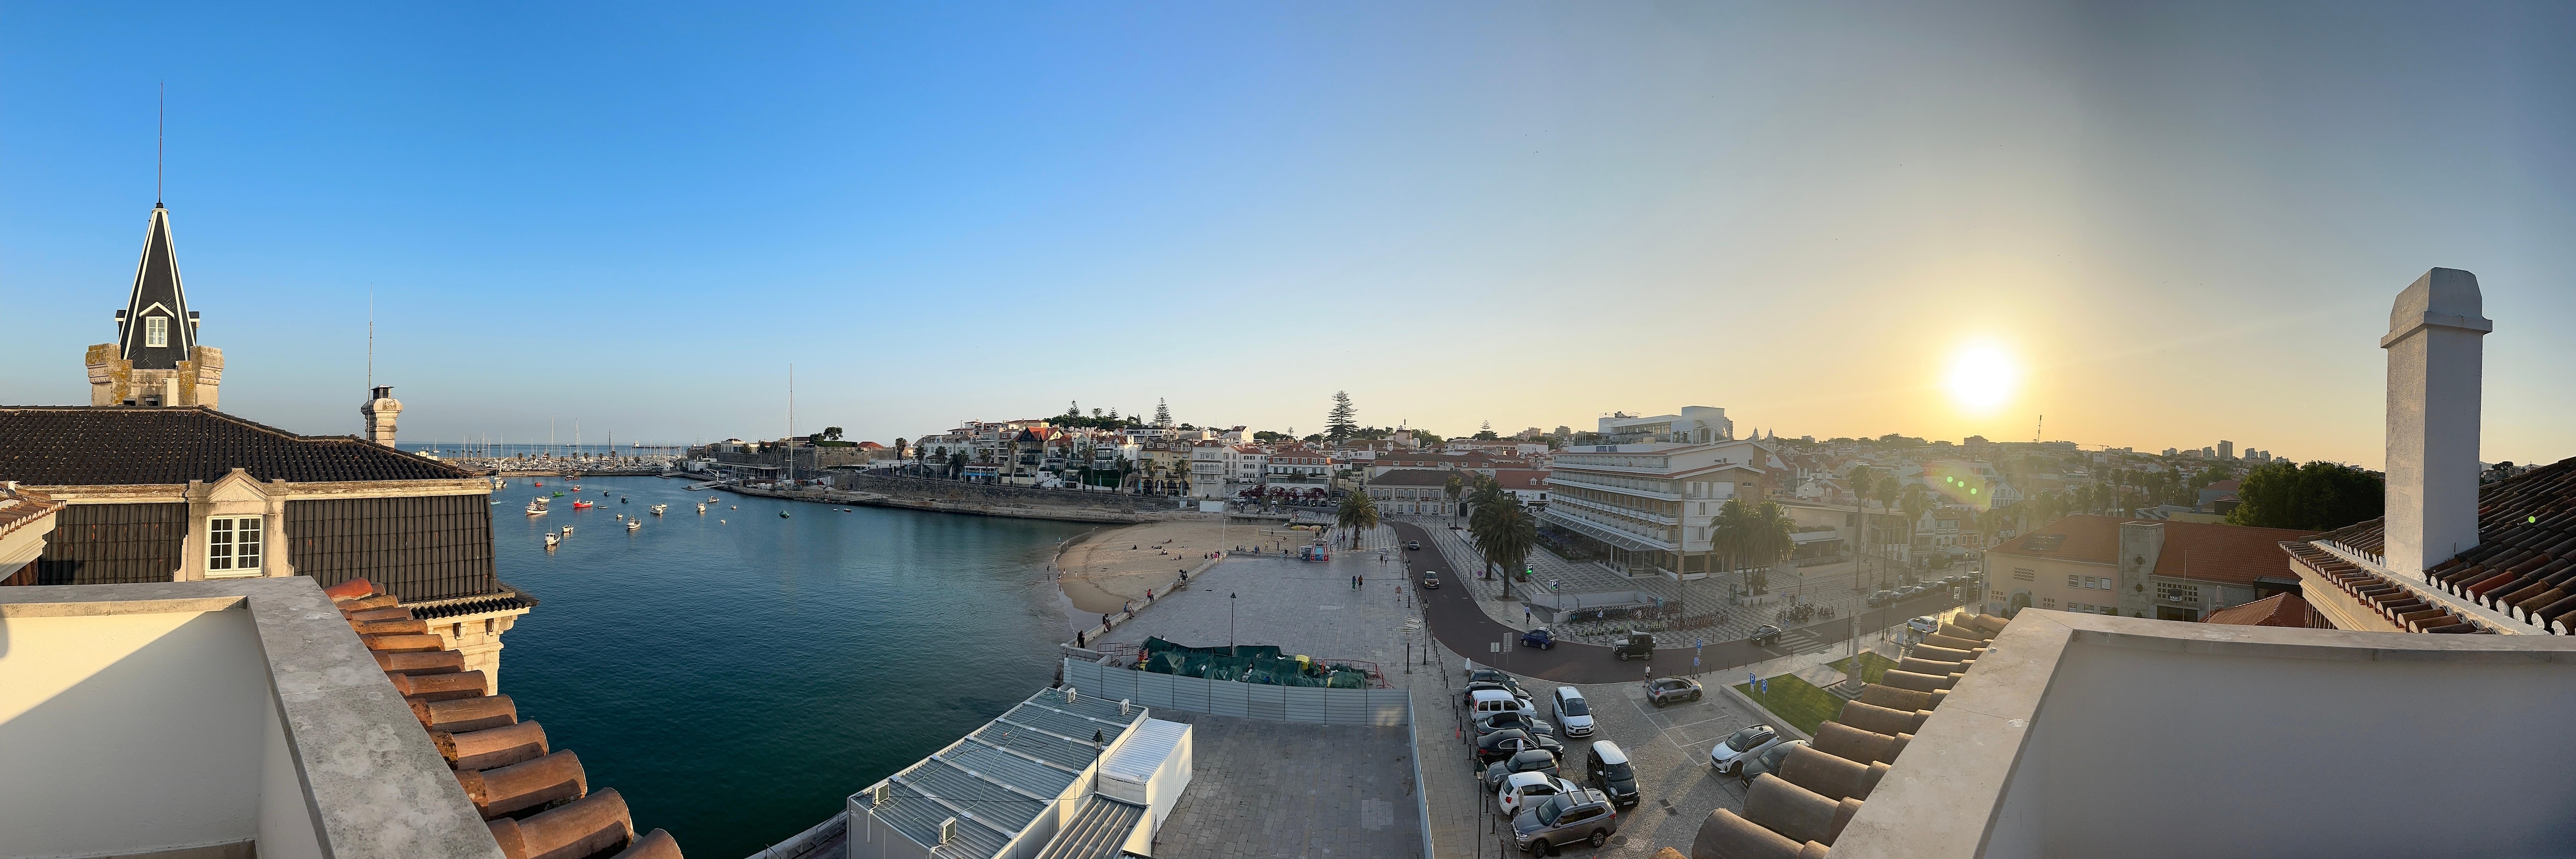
{"x": 2275, "y": 610}
{"x": 2525, "y": 560}
{"x": 536, "y": 799}
{"x": 2393, "y": 601}
{"x": 119, "y": 445}
{"x": 20, "y": 506}
{"x": 1521, "y": 478}
{"x": 1416, "y": 477}
{"x": 2193, "y": 550}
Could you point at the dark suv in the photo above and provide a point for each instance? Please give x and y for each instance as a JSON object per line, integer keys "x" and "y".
{"x": 1584, "y": 815}
{"x": 1638, "y": 645}
{"x": 1605, "y": 766}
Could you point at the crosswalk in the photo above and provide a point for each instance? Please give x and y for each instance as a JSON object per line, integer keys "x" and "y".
{"x": 1800, "y": 641}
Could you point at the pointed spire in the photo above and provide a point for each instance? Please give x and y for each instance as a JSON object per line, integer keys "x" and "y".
{"x": 156, "y": 329}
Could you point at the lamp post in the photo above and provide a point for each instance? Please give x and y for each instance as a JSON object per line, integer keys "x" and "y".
{"x": 1229, "y": 622}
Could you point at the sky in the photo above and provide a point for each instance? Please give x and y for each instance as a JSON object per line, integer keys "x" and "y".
{"x": 2174, "y": 223}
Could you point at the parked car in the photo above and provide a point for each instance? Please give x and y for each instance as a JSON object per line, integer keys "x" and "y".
{"x": 1521, "y": 789}
{"x": 1489, "y": 675}
{"x": 1524, "y": 761}
{"x": 1496, "y": 699}
{"x": 1413, "y": 545}
{"x": 1504, "y": 743}
{"x": 1881, "y": 598}
{"x": 1566, "y": 818}
{"x": 1605, "y": 766}
{"x": 1926, "y": 624}
{"x": 1572, "y": 711}
{"x": 1431, "y": 579}
{"x": 1487, "y": 723}
{"x": 1672, "y": 690}
{"x": 1638, "y": 645}
{"x": 1909, "y": 592}
{"x": 1538, "y": 638}
{"x": 1766, "y": 635}
{"x": 1730, "y": 754}
{"x": 1769, "y": 761}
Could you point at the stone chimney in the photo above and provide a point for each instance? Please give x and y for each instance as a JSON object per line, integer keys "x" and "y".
{"x": 2435, "y": 346}
{"x": 381, "y": 410}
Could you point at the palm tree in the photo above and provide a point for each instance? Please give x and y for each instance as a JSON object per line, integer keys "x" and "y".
{"x": 1452, "y": 490}
{"x": 1358, "y": 514}
{"x": 1917, "y": 501}
{"x": 1507, "y": 537}
{"x": 1769, "y": 537}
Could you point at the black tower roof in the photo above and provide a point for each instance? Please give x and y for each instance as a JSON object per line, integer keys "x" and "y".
{"x": 156, "y": 294}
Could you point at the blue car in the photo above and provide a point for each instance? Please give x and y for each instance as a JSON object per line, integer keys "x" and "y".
{"x": 1538, "y": 638}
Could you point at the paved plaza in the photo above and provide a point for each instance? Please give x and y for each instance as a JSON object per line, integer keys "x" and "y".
{"x": 1303, "y": 607}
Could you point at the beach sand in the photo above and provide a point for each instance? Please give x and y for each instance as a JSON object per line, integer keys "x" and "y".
{"x": 1107, "y": 569}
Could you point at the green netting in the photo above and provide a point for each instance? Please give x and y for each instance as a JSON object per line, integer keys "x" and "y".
{"x": 1245, "y": 663}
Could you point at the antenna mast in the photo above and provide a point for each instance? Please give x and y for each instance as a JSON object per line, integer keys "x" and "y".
{"x": 371, "y": 338}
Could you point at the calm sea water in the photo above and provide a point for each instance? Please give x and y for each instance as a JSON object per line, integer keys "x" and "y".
{"x": 738, "y": 681}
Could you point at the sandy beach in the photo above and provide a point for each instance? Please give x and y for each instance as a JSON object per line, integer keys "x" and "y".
{"x": 1107, "y": 569}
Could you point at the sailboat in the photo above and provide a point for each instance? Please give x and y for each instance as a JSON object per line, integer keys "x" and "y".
{"x": 551, "y": 540}
{"x": 632, "y": 524}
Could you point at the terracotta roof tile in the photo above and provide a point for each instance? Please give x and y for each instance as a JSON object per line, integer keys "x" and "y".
{"x": 536, "y": 799}
{"x": 2193, "y": 550}
{"x": 123, "y": 445}
{"x": 2275, "y": 610}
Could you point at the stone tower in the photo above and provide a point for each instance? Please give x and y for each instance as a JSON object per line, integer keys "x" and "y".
{"x": 380, "y": 412}
{"x": 155, "y": 360}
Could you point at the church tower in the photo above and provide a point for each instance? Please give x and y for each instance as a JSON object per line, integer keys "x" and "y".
{"x": 155, "y": 360}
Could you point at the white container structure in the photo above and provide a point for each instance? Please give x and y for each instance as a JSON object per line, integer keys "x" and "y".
{"x": 1149, "y": 768}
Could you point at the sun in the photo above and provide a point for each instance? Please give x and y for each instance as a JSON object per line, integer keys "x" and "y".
{"x": 1982, "y": 377}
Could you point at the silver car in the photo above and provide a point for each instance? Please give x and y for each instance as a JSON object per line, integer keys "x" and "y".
{"x": 1566, "y": 818}
{"x": 1730, "y": 754}
{"x": 1573, "y": 712}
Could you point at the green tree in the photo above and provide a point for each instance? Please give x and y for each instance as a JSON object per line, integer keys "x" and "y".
{"x": 1358, "y": 515}
{"x": 1507, "y": 537}
{"x": 2318, "y": 496}
{"x": 1916, "y": 502}
{"x": 1162, "y": 412}
{"x": 1452, "y": 490}
{"x": 833, "y": 433}
{"x": 1342, "y": 419}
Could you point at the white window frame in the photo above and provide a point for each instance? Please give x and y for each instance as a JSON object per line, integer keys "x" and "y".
{"x": 156, "y": 331}
{"x": 236, "y": 546}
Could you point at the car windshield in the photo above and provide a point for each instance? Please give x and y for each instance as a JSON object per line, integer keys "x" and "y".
{"x": 1771, "y": 759}
{"x": 1548, "y": 811}
{"x": 1573, "y": 707}
{"x": 1745, "y": 739}
{"x": 1619, "y": 772}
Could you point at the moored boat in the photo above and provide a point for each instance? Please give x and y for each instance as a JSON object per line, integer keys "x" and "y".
{"x": 632, "y": 524}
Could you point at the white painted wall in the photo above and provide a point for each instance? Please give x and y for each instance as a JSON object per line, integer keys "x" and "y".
{"x": 2158, "y": 752}
{"x": 136, "y": 732}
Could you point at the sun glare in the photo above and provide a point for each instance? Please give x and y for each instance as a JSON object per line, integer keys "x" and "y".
{"x": 1982, "y": 377}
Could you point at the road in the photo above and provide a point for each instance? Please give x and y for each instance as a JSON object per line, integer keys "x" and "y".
{"x": 1464, "y": 628}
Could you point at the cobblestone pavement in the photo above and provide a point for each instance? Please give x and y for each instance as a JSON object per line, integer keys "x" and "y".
{"x": 1827, "y": 586}
{"x": 1264, "y": 789}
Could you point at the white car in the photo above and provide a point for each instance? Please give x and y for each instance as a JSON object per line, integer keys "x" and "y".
{"x": 1572, "y": 712}
{"x": 1926, "y": 624}
{"x": 1519, "y": 790}
{"x": 1730, "y": 754}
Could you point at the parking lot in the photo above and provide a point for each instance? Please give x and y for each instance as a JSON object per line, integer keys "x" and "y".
{"x": 1667, "y": 746}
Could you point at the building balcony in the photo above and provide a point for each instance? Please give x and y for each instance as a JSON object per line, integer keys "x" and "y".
{"x": 1563, "y": 478}
{"x": 1615, "y": 510}
{"x": 1603, "y": 531}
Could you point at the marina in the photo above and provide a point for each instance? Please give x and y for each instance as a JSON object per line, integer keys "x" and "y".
{"x": 808, "y": 630}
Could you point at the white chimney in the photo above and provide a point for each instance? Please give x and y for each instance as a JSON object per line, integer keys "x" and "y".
{"x": 2434, "y": 367}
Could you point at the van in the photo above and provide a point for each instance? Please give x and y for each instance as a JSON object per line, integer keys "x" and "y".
{"x": 1486, "y": 702}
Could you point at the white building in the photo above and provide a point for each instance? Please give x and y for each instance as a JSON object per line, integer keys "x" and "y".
{"x": 1701, "y": 424}
{"x": 1647, "y": 506}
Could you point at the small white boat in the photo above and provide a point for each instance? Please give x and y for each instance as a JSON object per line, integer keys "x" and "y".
{"x": 711, "y": 499}
{"x": 567, "y": 531}
{"x": 702, "y": 508}
{"x": 551, "y": 540}
{"x": 537, "y": 508}
{"x": 658, "y": 508}
{"x": 632, "y": 524}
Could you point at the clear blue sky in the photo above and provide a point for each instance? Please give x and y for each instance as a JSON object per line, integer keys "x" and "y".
{"x": 2185, "y": 221}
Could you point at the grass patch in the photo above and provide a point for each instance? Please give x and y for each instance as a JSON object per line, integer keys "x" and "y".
{"x": 1872, "y": 666}
{"x": 1795, "y": 701}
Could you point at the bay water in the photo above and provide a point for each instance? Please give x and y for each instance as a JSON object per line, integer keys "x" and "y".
{"x": 737, "y": 675}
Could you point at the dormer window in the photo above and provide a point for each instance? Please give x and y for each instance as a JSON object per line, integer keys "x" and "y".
{"x": 156, "y": 331}
{"x": 232, "y": 546}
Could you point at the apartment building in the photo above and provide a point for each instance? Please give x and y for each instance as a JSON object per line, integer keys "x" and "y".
{"x": 2139, "y": 567}
{"x": 1414, "y": 492}
{"x": 1647, "y": 506}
